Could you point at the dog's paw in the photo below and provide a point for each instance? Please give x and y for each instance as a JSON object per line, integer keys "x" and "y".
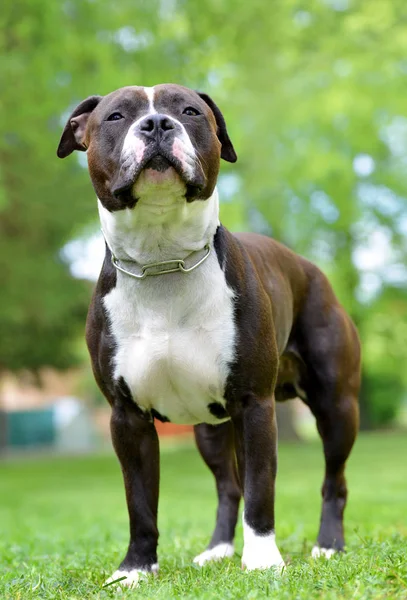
{"x": 224, "y": 550}
{"x": 260, "y": 551}
{"x": 124, "y": 578}
{"x": 264, "y": 556}
{"x": 318, "y": 552}
{"x": 131, "y": 578}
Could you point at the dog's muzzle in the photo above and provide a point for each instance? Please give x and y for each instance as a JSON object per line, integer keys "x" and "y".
{"x": 154, "y": 144}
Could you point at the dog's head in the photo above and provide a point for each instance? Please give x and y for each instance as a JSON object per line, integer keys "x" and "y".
{"x": 139, "y": 139}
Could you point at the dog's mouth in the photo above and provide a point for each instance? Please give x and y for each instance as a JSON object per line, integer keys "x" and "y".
{"x": 159, "y": 163}
{"x": 158, "y": 168}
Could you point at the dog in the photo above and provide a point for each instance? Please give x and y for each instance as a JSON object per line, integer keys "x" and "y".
{"x": 192, "y": 324}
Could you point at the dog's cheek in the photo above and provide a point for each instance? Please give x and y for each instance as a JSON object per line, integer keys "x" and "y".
{"x": 100, "y": 177}
{"x": 211, "y": 160}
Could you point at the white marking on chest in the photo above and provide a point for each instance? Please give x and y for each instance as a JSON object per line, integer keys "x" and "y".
{"x": 175, "y": 334}
{"x": 260, "y": 551}
{"x": 175, "y": 337}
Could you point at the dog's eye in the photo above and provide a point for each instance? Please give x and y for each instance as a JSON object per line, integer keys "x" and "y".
{"x": 190, "y": 111}
{"x": 116, "y": 116}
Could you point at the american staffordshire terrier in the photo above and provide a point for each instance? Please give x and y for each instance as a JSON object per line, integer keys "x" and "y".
{"x": 190, "y": 323}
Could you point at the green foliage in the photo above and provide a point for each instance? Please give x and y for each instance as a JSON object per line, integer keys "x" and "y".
{"x": 385, "y": 337}
{"x": 307, "y": 89}
{"x": 66, "y": 529}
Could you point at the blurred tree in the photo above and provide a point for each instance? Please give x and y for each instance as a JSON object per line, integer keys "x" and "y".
{"x": 51, "y": 56}
{"x": 313, "y": 93}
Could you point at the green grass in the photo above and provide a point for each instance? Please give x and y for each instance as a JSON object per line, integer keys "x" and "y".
{"x": 64, "y": 528}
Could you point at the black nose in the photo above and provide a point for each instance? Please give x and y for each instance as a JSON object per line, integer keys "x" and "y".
{"x": 154, "y": 125}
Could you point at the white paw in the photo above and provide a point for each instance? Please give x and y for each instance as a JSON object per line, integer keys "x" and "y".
{"x": 318, "y": 552}
{"x": 129, "y": 578}
{"x": 260, "y": 551}
{"x": 224, "y": 550}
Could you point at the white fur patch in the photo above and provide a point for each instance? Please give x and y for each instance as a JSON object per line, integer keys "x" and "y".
{"x": 183, "y": 150}
{"x": 133, "y": 145}
{"x": 216, "y": 553}
{"x": 149, "y": 92}
{"x": 162, "y": 225}
{"x": 132, "y": 578}
{"x": 175, "y": 334}
{"x": 260, "y": 551}
{"x": 133, "y": 148}
{"x": 318, "y": 552}
{"x": 138, "y": 147}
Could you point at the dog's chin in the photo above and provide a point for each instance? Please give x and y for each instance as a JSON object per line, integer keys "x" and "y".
{"x": 159, "y": 180}
{"x": 155, "y": 183}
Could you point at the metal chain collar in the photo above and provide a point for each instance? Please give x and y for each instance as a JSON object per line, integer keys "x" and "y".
{"x": 179, "y": 264}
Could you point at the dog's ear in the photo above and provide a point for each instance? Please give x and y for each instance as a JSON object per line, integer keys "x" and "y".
{"x": 227, "y": 152}
{"x": 74, "y": 132}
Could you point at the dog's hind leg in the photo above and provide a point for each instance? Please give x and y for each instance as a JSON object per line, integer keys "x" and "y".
{"x": 337, "y": 422}
{"x": 216, "y": 445}
{"x": 330, "y": 349}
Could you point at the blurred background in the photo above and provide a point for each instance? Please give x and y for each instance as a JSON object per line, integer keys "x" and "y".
{"x": 314, "y": 95}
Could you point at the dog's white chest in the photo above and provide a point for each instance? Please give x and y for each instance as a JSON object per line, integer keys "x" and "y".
{"x": 175, "y": 339}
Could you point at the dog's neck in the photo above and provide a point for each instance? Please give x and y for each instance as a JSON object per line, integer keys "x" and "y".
{"x": 157, "y": 231}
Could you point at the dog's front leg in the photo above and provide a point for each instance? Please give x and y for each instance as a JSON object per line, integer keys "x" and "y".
{"x": 256, "y": 448}
{"x": 136, "y": 443}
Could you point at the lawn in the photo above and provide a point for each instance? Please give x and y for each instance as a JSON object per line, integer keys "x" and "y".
{"x": 64, "y": 528}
